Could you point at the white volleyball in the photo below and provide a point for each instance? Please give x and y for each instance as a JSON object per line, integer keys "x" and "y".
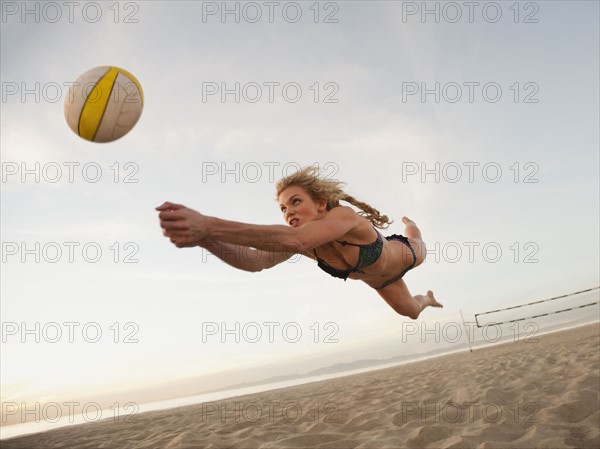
{"x": 104, "y": 104}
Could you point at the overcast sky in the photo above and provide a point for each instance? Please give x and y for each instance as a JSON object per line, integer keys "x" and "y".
{"x": 481, "y": 125}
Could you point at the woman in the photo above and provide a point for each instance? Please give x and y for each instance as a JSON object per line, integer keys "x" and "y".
{"x": 345, "y": 244}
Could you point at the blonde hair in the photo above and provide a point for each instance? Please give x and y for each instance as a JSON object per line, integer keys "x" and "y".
{"x": 331, "y": 191}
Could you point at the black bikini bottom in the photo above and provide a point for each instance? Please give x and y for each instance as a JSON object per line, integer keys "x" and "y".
{"x": 404, "y": 240}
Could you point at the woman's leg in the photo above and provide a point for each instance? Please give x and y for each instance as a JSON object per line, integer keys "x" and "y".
{"x": 396, "y": 294}
{"x": 400, "y": 299}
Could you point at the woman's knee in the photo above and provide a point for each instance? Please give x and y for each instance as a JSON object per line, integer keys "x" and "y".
{"x": 413, "y": 314}
{"x": 405, "y": 308}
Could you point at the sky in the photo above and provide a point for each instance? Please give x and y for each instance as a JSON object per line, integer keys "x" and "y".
{"x": 480, "y": 124}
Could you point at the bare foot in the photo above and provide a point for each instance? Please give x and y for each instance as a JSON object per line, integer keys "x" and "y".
{"x": 411, "y": 230}
{"x": 432, "y": 301}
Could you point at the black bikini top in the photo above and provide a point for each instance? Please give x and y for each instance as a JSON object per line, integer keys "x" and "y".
{"x": 367, "y": 255}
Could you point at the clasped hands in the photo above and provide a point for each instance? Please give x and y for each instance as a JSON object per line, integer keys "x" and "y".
{"x": 183, "y": 226}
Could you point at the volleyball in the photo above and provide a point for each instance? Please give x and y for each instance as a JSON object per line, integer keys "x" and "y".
{"x": 104, "y": 104}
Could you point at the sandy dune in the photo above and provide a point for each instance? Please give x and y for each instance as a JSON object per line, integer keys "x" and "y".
{"x": 536, "y": 394}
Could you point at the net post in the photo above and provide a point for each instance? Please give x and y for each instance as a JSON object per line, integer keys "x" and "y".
{"x": 467, "y": 330}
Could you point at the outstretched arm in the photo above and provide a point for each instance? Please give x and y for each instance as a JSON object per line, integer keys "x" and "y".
{"x": 186, "y": 227}
{"x": 243, "y": 257}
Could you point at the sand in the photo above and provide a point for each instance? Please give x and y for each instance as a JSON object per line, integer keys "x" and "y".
{"x": 536, "y": 394}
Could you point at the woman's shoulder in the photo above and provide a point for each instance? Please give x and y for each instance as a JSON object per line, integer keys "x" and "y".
{"x": 361, "y": 225}
{"x": 341, "y": 211}
{"x": 346, "y": 213}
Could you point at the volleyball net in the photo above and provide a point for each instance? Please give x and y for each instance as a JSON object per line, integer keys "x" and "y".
{"x": 533, "y": 310}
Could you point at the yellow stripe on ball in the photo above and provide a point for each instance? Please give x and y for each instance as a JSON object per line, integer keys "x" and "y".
{"x": 95, "y": 105}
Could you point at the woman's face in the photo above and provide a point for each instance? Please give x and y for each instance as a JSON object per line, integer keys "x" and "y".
{"x": 299, "y": 208}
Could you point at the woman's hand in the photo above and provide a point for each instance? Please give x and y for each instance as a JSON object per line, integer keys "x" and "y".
{"x": 183, "y": 226}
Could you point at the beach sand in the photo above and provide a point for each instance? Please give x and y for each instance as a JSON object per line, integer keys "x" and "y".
{"x": 540, "y": 393}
